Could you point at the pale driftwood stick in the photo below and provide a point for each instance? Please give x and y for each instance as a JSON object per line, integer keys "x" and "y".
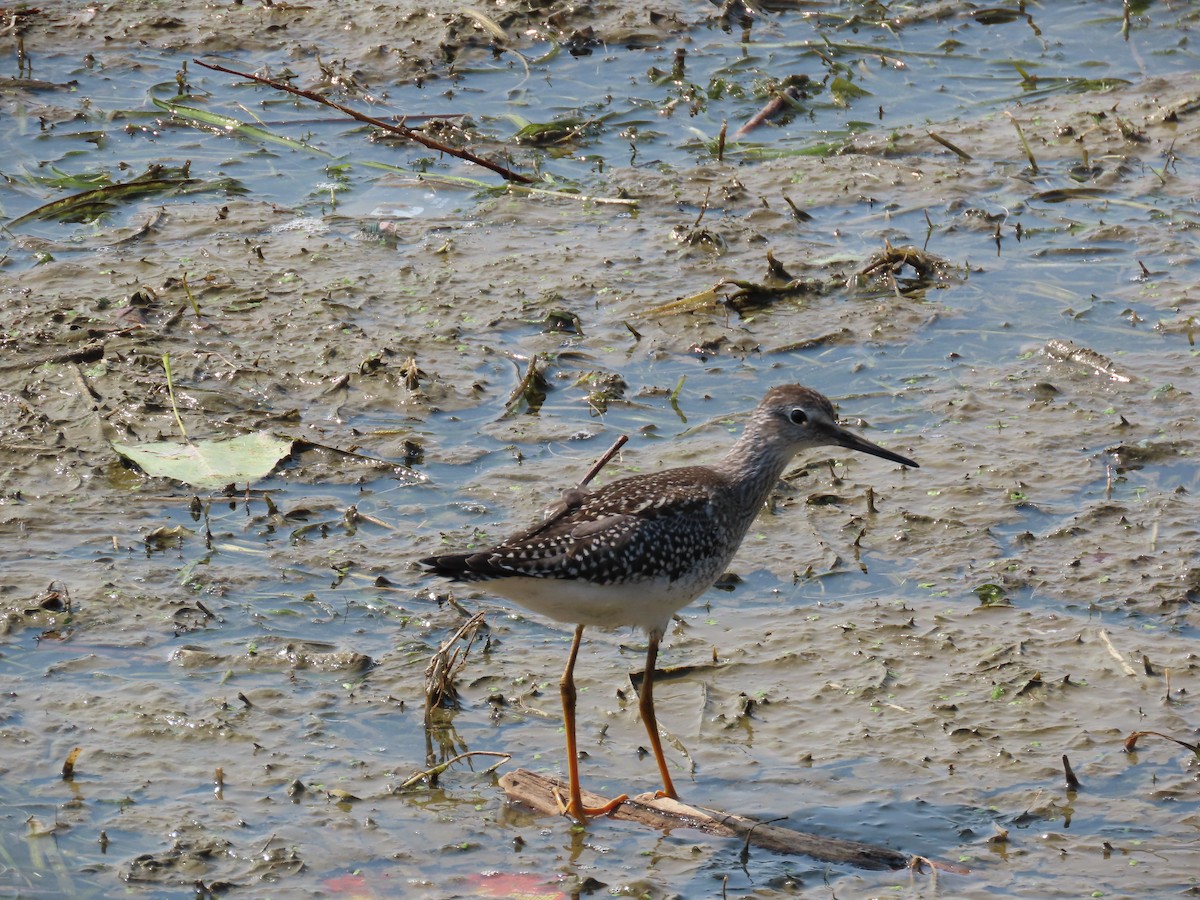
{"x": 538, "y": 792}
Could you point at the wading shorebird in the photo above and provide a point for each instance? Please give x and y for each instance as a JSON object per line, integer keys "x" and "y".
{"x": 635, "y": 551}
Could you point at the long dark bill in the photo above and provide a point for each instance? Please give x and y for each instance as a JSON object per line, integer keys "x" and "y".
{"x": 852, "y": 441}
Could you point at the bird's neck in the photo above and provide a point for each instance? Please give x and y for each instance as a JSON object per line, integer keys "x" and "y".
{"x": 752, "y": 467}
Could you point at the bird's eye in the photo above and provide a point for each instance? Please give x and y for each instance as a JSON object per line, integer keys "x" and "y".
{"x": 798, "y": 416}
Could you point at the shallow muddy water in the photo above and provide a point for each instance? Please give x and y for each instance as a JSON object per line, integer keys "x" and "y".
{"x": 244, "y": 672}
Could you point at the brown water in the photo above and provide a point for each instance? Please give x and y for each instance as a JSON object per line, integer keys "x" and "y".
{"x": 247, "y": 690}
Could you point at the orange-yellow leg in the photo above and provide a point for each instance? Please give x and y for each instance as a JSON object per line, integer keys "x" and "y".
{"x": 574, "y": 806}
{"x": 646, "y": 708}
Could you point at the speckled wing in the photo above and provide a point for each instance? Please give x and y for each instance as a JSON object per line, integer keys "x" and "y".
{"x": 649, "y": 526}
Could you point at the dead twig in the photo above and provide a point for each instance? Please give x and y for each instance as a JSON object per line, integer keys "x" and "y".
{"x": 603, "y": 461}
{"x": 402, "y": 130}
{"x": 433, "y": 773}
{"x": 1131, "y": 741}
{"x": 445, "y": 665}
{"x": 957, "y": 151}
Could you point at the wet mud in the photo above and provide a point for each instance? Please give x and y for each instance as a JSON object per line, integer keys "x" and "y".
{"x": 914, "y": 659}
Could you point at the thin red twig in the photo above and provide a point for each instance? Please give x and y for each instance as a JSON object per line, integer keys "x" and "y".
{"x": 401, "y": 130}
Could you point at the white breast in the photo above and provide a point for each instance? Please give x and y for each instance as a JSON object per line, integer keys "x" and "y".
{"x": 643, "y": 604}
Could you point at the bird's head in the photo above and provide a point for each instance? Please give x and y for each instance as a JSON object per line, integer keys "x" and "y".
{"x": 804, "y": 418}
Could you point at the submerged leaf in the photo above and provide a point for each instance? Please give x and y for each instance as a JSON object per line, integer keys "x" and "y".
{"x": 844, "y": 91}
{"x": 209, "y": 464}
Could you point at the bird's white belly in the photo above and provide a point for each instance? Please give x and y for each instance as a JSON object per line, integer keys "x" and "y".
{"x": 644, "y": 604}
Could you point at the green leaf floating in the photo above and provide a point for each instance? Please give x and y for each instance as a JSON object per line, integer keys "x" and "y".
{"x": 209, "y": 464}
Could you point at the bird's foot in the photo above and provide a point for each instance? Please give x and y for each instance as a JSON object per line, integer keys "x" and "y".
{"x": 581, "y": 813}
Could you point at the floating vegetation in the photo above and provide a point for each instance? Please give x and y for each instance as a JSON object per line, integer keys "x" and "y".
{"x": 887, "y": 269}
{"x": 221, "y": 124}
{"x": 530, "y": 393}
{"x": 96, "y": 202}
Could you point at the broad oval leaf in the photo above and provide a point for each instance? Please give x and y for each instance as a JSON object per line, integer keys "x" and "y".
{"x": 209, "y": 464}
